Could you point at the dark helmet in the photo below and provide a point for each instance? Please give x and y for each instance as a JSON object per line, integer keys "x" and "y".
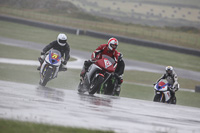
{"x": 169, "y": 70}
{"x": 120, "y": 56}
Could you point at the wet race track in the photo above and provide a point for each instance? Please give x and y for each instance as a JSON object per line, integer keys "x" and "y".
{"x": 68, "y": 108}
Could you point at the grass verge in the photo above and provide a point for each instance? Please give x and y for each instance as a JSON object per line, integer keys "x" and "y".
{"x": 10, "y": 126}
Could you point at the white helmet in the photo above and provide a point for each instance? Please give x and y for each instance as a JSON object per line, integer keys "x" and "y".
{"x": 169, "y": 69}
{"x": 112, "y": 43}
{"x": 62, "y": 39}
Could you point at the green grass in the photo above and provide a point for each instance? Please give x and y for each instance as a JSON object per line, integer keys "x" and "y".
{"x": 10, "y": 126}
{"x": 161, "y": 57}
{"x": 18, "y": 52}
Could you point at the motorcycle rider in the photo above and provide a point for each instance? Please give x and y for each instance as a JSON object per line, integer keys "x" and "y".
{"x": 172, "y": 79}
{"x": 104, "y": 49}
{"x": 119, "y": 71}
{"x": 61, "y": 45}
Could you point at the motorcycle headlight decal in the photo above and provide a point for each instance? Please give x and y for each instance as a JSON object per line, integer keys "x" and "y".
{"x": 107, "y": 63}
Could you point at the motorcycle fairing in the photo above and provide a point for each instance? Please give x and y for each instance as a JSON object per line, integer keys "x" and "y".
{"x": 53, "y": 55}
{"x": 93, "y": 68}
{"x": 167, "y": 95}
{"x": 162, "y": 85}
{"x": 107, "y": 63}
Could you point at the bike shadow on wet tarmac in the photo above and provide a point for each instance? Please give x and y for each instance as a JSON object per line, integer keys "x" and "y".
{"x": 50, "y": 93}
{"x": 59, "y": 95}
{"x": 98, "y": 99}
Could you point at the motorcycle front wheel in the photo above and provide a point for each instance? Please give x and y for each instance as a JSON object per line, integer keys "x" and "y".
{"x": 46, "y": 77}
{"x": 95, "y": 84}
{"x": 157, "y": 98}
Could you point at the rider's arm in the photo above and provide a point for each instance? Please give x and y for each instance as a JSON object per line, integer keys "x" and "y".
{"x": 162, "y": 77}
{"x": 48, "y": 47}
{"x": 175, "y": 80}
{"x": 115, "y": 54}
{"x": 98, "y": 51}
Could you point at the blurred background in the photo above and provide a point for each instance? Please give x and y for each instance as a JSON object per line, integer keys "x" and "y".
{"x": 173, "y": 21}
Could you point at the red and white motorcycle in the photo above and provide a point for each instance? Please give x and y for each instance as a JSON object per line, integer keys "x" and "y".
{"x": 162, "y": 92}
{"x": 98, "y": 73}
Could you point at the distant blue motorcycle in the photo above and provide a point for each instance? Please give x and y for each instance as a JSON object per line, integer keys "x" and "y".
{"x": 162, "y": 92}
{"x": 50, "y": 66}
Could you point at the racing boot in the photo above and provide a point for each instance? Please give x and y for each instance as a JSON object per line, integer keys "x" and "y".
{"x": 62, "y": 68}
{"x": 117, "y": 91}
{"x": 38, "y": 68}
{"x": 173, "y": 97}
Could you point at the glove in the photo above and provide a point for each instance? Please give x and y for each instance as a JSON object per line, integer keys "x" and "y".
{"x": 172, "y": 89}
{"x": 121, "y": 81}
{"x": 93, "y": 59}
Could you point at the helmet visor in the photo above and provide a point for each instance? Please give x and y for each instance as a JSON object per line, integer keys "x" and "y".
{"x": 113, "y": 46}
{"x": 62, "y": 41}
{"x": 169, "y": 71}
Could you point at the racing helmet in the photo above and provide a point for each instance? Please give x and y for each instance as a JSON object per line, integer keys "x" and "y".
{"x": 62, "y": 39}
{"x": 169, "y": 70}
{"x": 112, "y": 43}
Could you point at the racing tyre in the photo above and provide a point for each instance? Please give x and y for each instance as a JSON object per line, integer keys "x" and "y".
{"x": 95, "y": 84}
{"x": 157, "y": 98}
{"x": 46, "y": 77}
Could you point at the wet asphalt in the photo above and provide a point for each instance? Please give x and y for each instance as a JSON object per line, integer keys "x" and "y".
{"x": 64, "y": 107}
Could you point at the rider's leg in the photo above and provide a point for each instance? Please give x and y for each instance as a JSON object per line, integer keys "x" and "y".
{"x": 118, "y": 90}
{"x": 41, "y": 60}
{"x": 86, "y": 65}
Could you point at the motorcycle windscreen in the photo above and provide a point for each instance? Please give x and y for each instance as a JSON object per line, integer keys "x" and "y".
{"x": 54, "y": 57}
{"x": 162, "y": 85}
{"x": 105, "y": 64}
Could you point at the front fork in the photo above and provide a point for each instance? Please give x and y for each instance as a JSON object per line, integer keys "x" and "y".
{"x": 104, "y": 85}
{"x": 45, "y": 66}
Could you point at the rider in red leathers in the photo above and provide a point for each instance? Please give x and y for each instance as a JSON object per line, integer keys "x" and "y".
{"x": 104, "y": 49}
